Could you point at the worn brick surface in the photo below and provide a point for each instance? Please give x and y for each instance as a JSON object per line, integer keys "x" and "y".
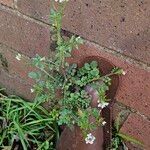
{"x": 134, "y": 86}
{"x": 38, "y": 9}
{"x": 7, "y": 2}
{"x": 139, "y": 128}
{"x": 25, "y": 36}
{"x": 133, "y": 146}
{"x": 15, "y": 85}
{"x": 11, "y": 65}
{"x": 121, "y": 25}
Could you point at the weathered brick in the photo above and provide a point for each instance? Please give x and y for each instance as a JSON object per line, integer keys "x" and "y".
{"x": 139, "y": 128}
{"x": 121, "y": 25}
{"x": 22, "y": 34}
{"x": 134, "y": 90}
{"x": 14, "y": 67}
{"x": 134, "y": 86}
{"x": 15, "y": 85}
{"x": 38, "y": 9}
{"x": 7, "y": 2}
{"x": 133, "y": 146}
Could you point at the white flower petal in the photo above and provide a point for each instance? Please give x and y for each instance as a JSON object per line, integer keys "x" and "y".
{"x": 61, "y": 1}
{"x": 32, "y": 90}
{"x": 124, "y": 72}
{"x": 43, "y": 59}
{"x": 103, "y": 104}
{"x": 91, "y": 142}
{"x": 18, "y": 57}
{"x": 103, "y": 123}
{"x": 90, "y": 139}
{"x": 100, "y": 105}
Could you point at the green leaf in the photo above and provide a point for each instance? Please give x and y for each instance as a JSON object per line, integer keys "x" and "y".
{"x": 94, "y": 72}
{"x": 130, "y": 139}
{"x": 65, "y": 117}
{"x": 117, "y": 122}
{"x": 38, "y": 121}
{"x": 21, "y": 136}
{"x": 87, "y": 66}
{"x": 94, "y": 64}
{"x": 7, "y": 148}
{"x": 34, "y": 75}
{"x": 117, "y": 70}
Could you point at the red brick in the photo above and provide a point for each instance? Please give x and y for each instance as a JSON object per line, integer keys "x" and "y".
{"x": 39, "y": 9}
{"x": 22, "y": 34}
{"x": 139, "y": 128}
{"x": 134, "y": 86}
{"x": 22, "y": 88}
{"x": 134, "y": 90}
{"x": 132, "y": 146}
{"x": 20, "y": 68}
{"x": 7, "y": 2}
{"x": 121, "y": 25}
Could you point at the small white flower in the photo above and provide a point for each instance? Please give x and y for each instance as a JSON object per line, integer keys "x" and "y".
{"x": 18, "y": 57}
{"x": 103, "y": 105}
{"x": 103, "y": 123}
{"x": 43, "y": 59}
{"x": 90, "y": 139}
{"x": 32, "y": 90}
{"x": 78, "y": 38}
{"x": 124, "y": 72}
{"x": 61, "y": 1}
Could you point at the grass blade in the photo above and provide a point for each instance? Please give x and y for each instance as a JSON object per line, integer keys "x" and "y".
{"x": 21, "y": 135}
{"x": 130, "y": 139}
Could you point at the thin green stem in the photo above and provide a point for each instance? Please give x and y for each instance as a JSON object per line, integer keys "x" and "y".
{"x": 58, "y": 23}
{"x": 2, "y": 96}
{"x": 47, "y": 73}
{"x": 57, "y": 130}
{"x": 100, "y": 78}
{"x": 51, "y": 62}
